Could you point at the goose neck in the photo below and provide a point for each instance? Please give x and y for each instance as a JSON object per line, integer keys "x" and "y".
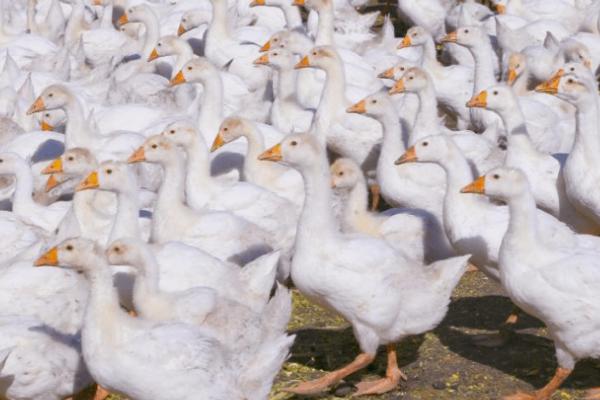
{"x": 150, "y": 21}
{"x": 357, "y": 202}
{"x": 126, "y": 224}
{"x": 149, "y": 271}
{"x": 183, "y": 54}
{"x": 430, "y": 54}
{"x": 522, "y": 225}
{"x": 198, "y": 165}
{"x": 587, "y": 139}
{"x": 458, "y": 175}
{"x": 31, "y": 23}
{"x": 22, "y": 199}
{"x": 325, "y": 26}
{"x": 107, "y": 15}
{"x": 211, "y": 106}
{"x": 316, "y": 217}
{"x": 393, "y": 145}
{"x": 256, "y": 143}
{"x": 484, "y": 65}
{"x": 426, "y": 122}
{"x": 514, "y": 122}
{"x": 77, "y": 132}
{"x": 218, "y": 28}
{"x": 171, "y": 193}
{"x": 286, "y": 84}
{"x": 292, "y": 15}
{"x": 333, "y": 98}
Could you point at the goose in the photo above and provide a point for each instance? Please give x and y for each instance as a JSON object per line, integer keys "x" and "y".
{"x": 188, "y": 360}
{"x": 533, "y": 10}
{"x": 349, "y": 135}
{"x": 182, "y": 267}
{"x": 410, "y": 231}
{"x": 38, "y": 362}
{"x": 361, "y": 265}
{"x": 534, "y": 274}
{"x": 237, "y": 326}
{"x": 542, "y": 170}
{"x": 293, "y": 18}
{"x": 287, "y": 115}
{"x": 453, "y": 84}
{"x": 429, "y": 14}
{"x": 283, "y": 181}
{"x": 53, "y": 24}
{"x": 577, "y": 86}
{"x": 235, "y": 240}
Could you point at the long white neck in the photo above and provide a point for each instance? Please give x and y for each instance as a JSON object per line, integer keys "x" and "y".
{"x": 316, "y": 216}
{"x": 356, "y": 204}
{"x": 393, "y": 145}
{"x": 429, "y": 60}
{"x": 292, "y": 15}
{"x": 77, "y": 132}
{"x": 198, "y": 181}
{"x": 587, "y": 132}
{"x": 483, "y": 54}
{"x": 126, "y": 224}
{"x": 286, "y": 84}
{"x": 31, "y": 23}
{"x": 519, "y": 86}
{"x": 219, "y": 27}
{"x": 150, "y": 21}
{"x": 75, "y": 25}
{"x": 22, "y": 200}
{"x": 514, "y": 122}
{"x": 333, "y": 99}
{"x": 256, "y": 145}
{"x": 183, "y": 54}
{"x": 522, "y": 226}
{"x": 107, "y": 14}
{"x": 427, "y": 122}
{"x": 148, "y": 275}
{"x": 325, "y": 26}
{"x": 211, "y": 106}
{"x": 458, "y": 175}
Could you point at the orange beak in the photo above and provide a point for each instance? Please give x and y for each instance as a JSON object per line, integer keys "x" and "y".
{"x": 48, "y": 258}
{"x": 137, "y": 156}
{"x": 304, "y": 63}
{"x": 298, "y": 3}
{"x": 262, "y": 60}
{"x": 406, "y": 42}
{"x": 512, "y": 76}
{"x": 97, "y": 2}
{"x": 272, "y": 154}
{"x": 217, "y": 143}
{"x": 90, "y": 182}
{"x": 450, "y": 38}
{"x": 54, "y": 167}
{"x": 479, "y": 101}
{"x": 587, "y": 64}
{"x": 398, "y": 87}
{"x": 358, "y": 108}
{"x": 179, "y": 79}
{"x": 266, "y": 46}
{"x": 257, "y": 3}
{"x": 153, "y": 56}
{"x": 181, "y": 30}
{"x": 37, "y": 106}
{"x": 387, "y": 74}
{"x": 551, "y": 86}
{"x": 123, "y": 20}
{"x": 500, "y": 8}
{"x": 477, "y": 186}
{"x": 409, "y": 156}
{"x": 51, "y": 183}
{"x": 46, "y": 126}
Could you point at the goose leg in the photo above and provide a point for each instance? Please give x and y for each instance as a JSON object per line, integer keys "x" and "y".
{"x": 376, "y": 196}
{"x": 505, "y": 332}
{"x": 547, "y": 391}
{"x": 592, "y": 394}
{"x": 392, "y": 378}
{"x": 101, "y": 393}
{"x": 319, "y": 385}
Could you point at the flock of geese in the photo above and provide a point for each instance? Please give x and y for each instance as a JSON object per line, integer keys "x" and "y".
{"x": 167, "y": 263}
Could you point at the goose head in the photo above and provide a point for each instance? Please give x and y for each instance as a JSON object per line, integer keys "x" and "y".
{"x": 112, "y": 176}
{"x": 495, "y": 98}
{"x": 431, "y": 149}
{"x": 294, "y": 41}
{"x": 52, "y": 120}
{"x": 182, "y": 133}
{"x": 74, "y": 163}
{"x": 192, "y": 19}
{"x": 575, "y": 51}
{"x": 500, "y": 183}
{"x": 397, "y": 71}
{"x": 345, "y": 174}
{"x": 77, "y": 254}
{"x": 319, "y": 57}
{"x": 467, "y": 36}
{"x": 126, "y": 251}
{"x": 139, "y": 13}
{"x": 156, "y": 149}
{"x": 316, "y": 5}
{"x": 413, "y": 81}
{"x": 300, "y": 151}
{"x": 415, "y": 36}
{"x": 278, "y": 58}
{"x": 51, "y": 98}
{"x": 231, "y": 129}
{"x": 376, "y": 105}
{"x": 167, "y": 46}
{"x": 500, "y": 6}
{"x": 517, "y": 64}
{"x": 196, "y": 70}
{"x": 131, "y": 30}
{"x": 10, "y": 163}
{"x": 569, "y": 87}
{"x": 270, "y": 3}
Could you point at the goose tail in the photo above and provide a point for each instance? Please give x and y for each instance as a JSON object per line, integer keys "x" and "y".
{"x": 259, "y": 276}
{"x": 447, "y": 273}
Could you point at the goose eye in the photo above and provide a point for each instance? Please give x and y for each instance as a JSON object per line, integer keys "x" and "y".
{"x": 293, "y": 143}
{"x": 410, "y": 78}
{"x": 314, "y": 53}
{"x": 341, "y": 173}
{"x": 496, "y": 176}
{"x": 70, "y": 158}
{"x": 415, "y": 34}
{"x": 572, "y": 69}
{"x": 425, "y": 144}
{"x": 1, "y": 160}
{"x": 518, "y": 66}
{"x": 225, "y": 129}
{"x": 50, "y": 94}
{"x": 275, "y": 40}
{"x": 570, "y": 80}
{"x": 189, "y": 68}
{"x": 495, "y": 92}
{"x": 154, "y": 146}
{"x": 109, "y": 171}
{"x": 47, "y": 115}
{"x": 274, "y": 54}
{"x": 373, "y": 101}
{"x": 117, "y": 249}
{"x": 159, "y": 44}
{"x": 466, "y": 31}
{"x": 183, "y": 19}
{"x": 69, "y": 247}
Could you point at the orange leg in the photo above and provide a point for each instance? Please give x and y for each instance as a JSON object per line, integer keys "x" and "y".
{"x": 547, "y": 391}
{"x": 392, "y": 378}
{"x": 376, "y": 195}
{"x": 101, "y": 393}
{"x": 319, "y": 385}
{"x": 592, "y": 394}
